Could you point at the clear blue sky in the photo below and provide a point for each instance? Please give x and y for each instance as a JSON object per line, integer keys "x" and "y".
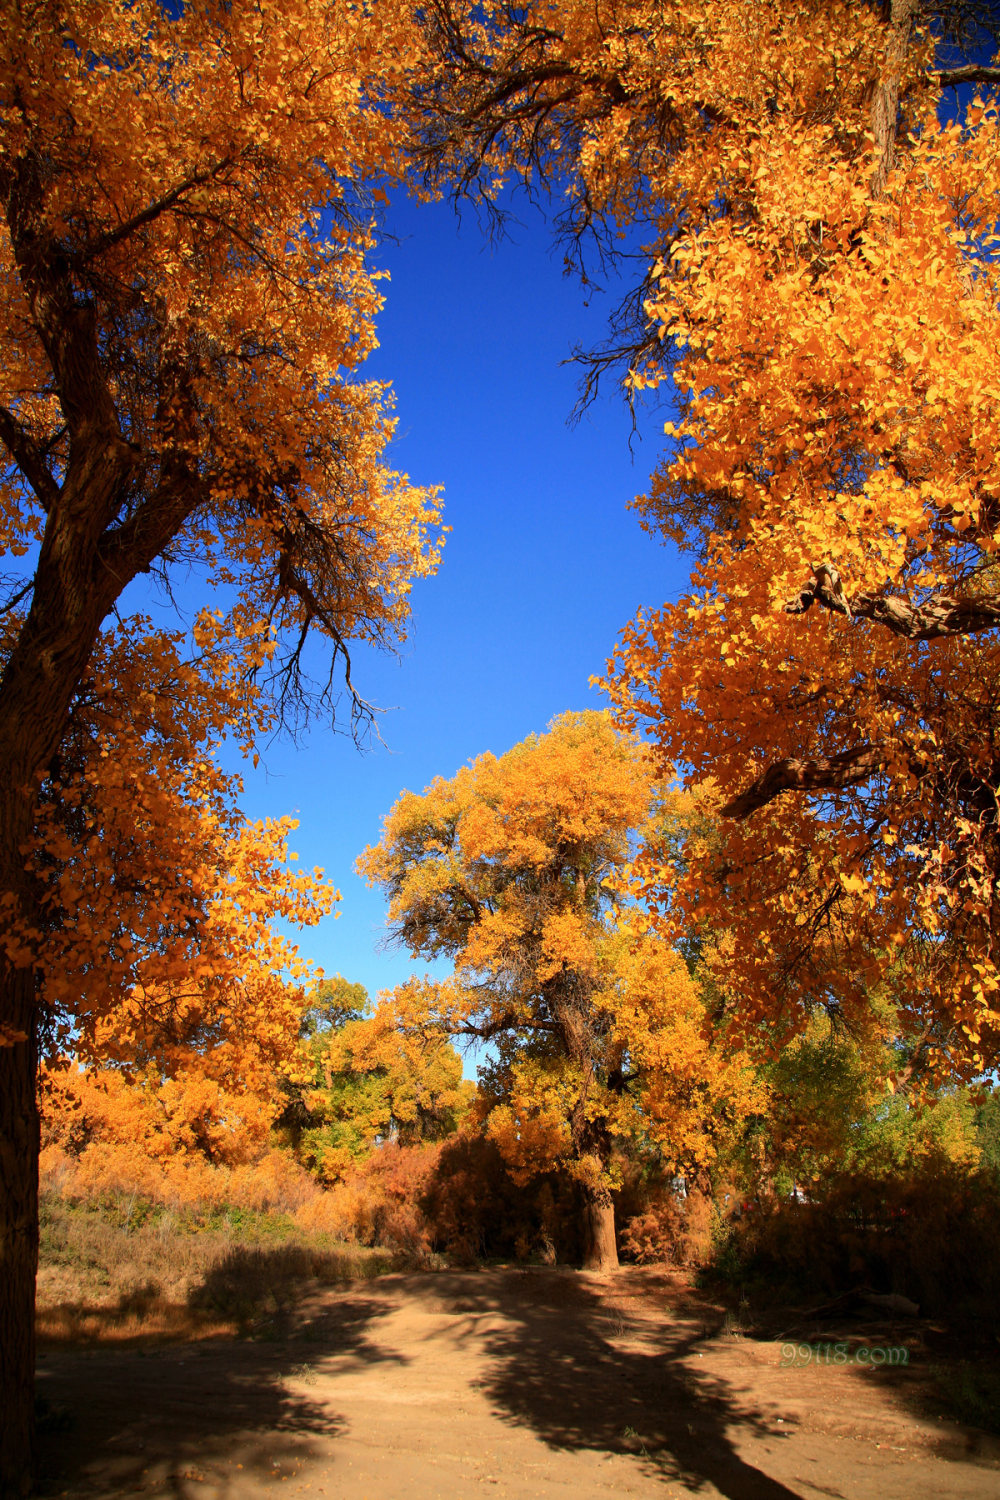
{"x": 543, "y": 567}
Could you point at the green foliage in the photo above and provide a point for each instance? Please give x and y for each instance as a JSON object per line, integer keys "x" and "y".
{"x": 357, "y": 1082}
{"x": 332, "y": 1003}
{"x": 833, "y": 1108}
{"x": 988, "y": 1132}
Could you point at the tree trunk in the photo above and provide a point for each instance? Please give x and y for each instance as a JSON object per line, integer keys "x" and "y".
{"x": 601, "y": 1252}
{"x": 590, "y": 1136}
{"x": 19, "y": 1142}
{"x": 885, "y": 101}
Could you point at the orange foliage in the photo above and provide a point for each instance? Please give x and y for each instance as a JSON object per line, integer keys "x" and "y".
{"x": 837, "y": 447}
{"x": 670, "y": 1228}
{"x": 183, "y": 1141}
{"x": 455, "y": 1196}
{"x": 511, "y": 869}
{"x": 184, "y": 301}
{"x": 822, "y": 290}
{"x": 185, "y": 293}
{"x": 171, "y": 968}
{"x": 154, "y": 899}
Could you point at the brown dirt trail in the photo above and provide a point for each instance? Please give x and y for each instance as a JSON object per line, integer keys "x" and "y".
{"x": 503, "y": 1383}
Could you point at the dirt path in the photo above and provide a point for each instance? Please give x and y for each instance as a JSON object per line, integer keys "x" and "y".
{"x": 502, "y": 1383}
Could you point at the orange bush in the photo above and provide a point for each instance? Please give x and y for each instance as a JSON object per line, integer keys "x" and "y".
{"x": 673, "y": 1229}
{"x": 380, "y": 1202}
{"x": 181, "y": 1141}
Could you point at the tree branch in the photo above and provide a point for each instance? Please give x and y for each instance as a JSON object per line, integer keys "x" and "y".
{"x": 25, "y": 453}
{"x": 150, "y": 213}
{"x": 133, "y": 546}
{"x": 885, "y": 100}
{"x": 821, "y": 773}
{"x": 971, "y": 73}
{"x": 487, "y": 1030}
{"x": 938, "y": 617}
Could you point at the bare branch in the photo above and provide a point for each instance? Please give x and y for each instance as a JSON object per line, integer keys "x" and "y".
{"x": 971, "y": 73}
{"x": 22, "y": 593}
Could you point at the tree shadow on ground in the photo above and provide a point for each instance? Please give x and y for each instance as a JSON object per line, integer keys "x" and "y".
{"x": 582, "y": 1375}
{"x": 934, "y": 1369}
{"x": 116, "y": 1417}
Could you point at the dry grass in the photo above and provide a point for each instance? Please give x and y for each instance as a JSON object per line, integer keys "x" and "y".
{"x": 125, "y": 1269}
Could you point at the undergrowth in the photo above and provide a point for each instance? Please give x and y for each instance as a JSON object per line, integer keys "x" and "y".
{"x": 123, "y": 1267}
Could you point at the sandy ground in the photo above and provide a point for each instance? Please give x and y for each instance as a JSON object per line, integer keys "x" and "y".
{"x": 502, "y": 1383}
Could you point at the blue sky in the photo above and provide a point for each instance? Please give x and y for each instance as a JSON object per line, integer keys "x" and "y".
{"x": 543, "y": 566}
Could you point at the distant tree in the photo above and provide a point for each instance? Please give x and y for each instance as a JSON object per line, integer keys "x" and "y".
{"x": 514, "y": 869}
{"x": 833, "y": 1110}
{"x": 357, "y": 1081}
{"x": 331, "y": 1003}
{"x": 988, "y": 1131}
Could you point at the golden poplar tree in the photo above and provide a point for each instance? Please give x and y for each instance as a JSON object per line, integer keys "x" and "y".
{"x": 818, "y": 232}
{"x": 184, "y": 302}
{"x": 513, "y": 869}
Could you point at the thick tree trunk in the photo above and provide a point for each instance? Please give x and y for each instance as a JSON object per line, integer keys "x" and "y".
{"x": 19, "y": 1140}
{"x": 601, "y": 1253}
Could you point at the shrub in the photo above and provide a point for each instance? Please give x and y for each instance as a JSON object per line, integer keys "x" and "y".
{"x": 105, "y": 1170}
{"x": 474, "y": 1208}
{"x": 671, "y": 1229}
{"x": 932, "y": 1236}
{"x": 454, "y": 1197}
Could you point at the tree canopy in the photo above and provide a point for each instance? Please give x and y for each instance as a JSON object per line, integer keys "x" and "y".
{"x": 357, "y": 1080}
{"x": 184, "y": 302}
{"x": 816, "y": 230}
{"x": 514, "y": 870}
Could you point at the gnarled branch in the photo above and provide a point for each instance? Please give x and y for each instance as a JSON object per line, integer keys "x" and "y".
{"x": 935, "y": 618}
{"x": 821, "y": 773}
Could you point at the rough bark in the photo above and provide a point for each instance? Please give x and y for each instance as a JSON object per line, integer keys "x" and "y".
{"x": 601, "y": 1252}
{"x": 885, "y": 100}
{"x": 820, "y": 773}
{"x": 19, "y": 1142}
{"x": 571, "y": 1003}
